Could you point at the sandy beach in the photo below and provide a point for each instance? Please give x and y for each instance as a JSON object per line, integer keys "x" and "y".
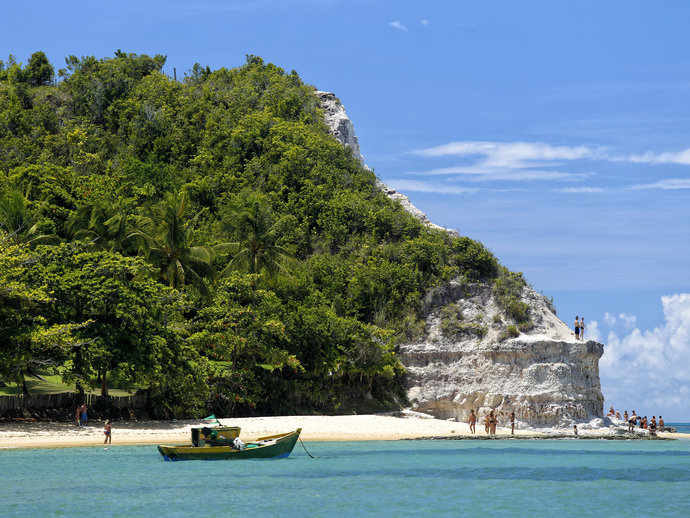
{"x": 314, "y": 428}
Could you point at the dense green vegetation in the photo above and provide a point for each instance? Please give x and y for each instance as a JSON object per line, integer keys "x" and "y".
{"x": 207, "y": 239}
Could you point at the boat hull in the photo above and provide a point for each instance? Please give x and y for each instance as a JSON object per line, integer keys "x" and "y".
{"x": 272, "y": 447}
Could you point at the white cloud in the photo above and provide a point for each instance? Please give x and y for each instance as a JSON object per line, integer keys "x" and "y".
{"x": 592, "y": 331}
{"x": 580, "y": 190}
{"x": 398, "y": 25}
{"x": 509, "y": 160}
{"x": 668, "y": 184}
{"x": 672, "y": 157}
{"x": 402, "y": 185}
{"x": 513, "y": 155}
{"x": 628, "y": 321}
{"x": 538, "y": 161}
{"x": 424, "y": 22}
{"x": 609, "y": 319}
{"x": 648, "y": 370}
{"x": 480, "y": 172}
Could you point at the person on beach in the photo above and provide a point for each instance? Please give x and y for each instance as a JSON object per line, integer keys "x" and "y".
{"x": 643, "y": 423}
{"x": 625, "y": 416}
{"x": 582, "y": 328}
{"x": 492, "y": 423}
{"x": 84, "y": 417}
{"x": 486, "y": 424}
{"x": 473, "y": 420}
{"x": 78, "y": 415}
{"x": 107, "y": 430}
{"x": 661, "y": 424}
{"x": 632, "y": 422}
{"x": 652, "y": 426}
{"x": 575, "y": 429}
{"x": 512, "y": 423}
{"x": 611, "y": 412}
{"x": 577, "y": 327}
{"x": 618, "y": 415}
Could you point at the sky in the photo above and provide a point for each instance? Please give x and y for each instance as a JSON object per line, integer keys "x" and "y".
{"x": 556, "y": 133}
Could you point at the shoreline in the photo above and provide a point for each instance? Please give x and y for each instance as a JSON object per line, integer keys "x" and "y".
{"x": 23, "y": 435}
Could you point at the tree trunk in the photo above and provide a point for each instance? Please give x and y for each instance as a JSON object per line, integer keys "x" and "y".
{"x": 104, "y": 386}
{"x": 25, "y": 390}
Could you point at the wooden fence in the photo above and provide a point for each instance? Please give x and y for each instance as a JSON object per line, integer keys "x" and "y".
{"x": 69, "y": 400}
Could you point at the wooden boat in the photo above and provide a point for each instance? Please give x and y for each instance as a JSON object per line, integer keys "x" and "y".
{"x": 208, "y": 447}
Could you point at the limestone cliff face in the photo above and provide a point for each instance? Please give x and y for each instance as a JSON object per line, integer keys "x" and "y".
{"x": 467, "y": 359}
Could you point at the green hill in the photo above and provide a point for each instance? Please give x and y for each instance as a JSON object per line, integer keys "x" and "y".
{"x": 207, "y": 239}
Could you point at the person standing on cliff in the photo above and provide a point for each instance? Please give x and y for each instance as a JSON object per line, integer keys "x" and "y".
{"x": 632, "y": 422}
{"x": 577, "y": 327}
{"x": 661, "y": 424}
{"x": 473, "y": 420}
{"x": 582, "y": 328}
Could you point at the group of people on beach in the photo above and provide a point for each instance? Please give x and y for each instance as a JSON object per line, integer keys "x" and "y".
{"x": 634, "y": 420}
{"x": 82, "y": 419}
{"x": 580, "y": 328}
{"x": 490, "y": 422}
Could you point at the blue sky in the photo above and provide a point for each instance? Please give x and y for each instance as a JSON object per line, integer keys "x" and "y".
{"x": 554, "y": 132}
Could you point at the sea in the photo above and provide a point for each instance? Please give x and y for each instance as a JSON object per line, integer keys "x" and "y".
{"x": 498, "y": 477}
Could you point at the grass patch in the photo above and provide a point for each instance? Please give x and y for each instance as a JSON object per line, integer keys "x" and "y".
{"x": 54, "y": 385}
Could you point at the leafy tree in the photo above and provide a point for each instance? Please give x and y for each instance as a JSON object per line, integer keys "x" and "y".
{"x": 241, "y": 330}
{"x": 166, "y": 236}
{"x": 18, "y": 221}
{"x": 39, "y": 71}
{"x": 105, "y": 224}
{"x": 131, "y": 317}
{"x": 251, "y": 223}
{"x": 27, "y": 341}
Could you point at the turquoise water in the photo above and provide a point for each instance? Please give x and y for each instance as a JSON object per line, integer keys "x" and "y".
{"x": 402, "y": 478}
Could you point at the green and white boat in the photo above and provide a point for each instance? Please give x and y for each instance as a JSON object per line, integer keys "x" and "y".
{"x": 222, "y": 443}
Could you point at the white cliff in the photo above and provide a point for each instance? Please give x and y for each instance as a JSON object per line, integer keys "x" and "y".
{"x": 468, "y": 360}
{"x": 475, "y": 356}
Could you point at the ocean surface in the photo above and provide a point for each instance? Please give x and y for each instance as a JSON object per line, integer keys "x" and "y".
{"x": 528, "y": 478}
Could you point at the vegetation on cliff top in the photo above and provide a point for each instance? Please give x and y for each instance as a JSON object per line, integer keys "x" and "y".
{"x": 207, "y": 239}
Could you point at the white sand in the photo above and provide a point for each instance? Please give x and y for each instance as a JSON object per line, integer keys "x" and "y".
{"x": 314, "y": 428}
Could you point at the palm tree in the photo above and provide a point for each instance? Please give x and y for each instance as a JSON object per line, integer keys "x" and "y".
{"x": 166, "y": 237}
{"x": 105, "y": 224}
{"x": 250, "y": 222}
{"x": 18, "y": 220}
